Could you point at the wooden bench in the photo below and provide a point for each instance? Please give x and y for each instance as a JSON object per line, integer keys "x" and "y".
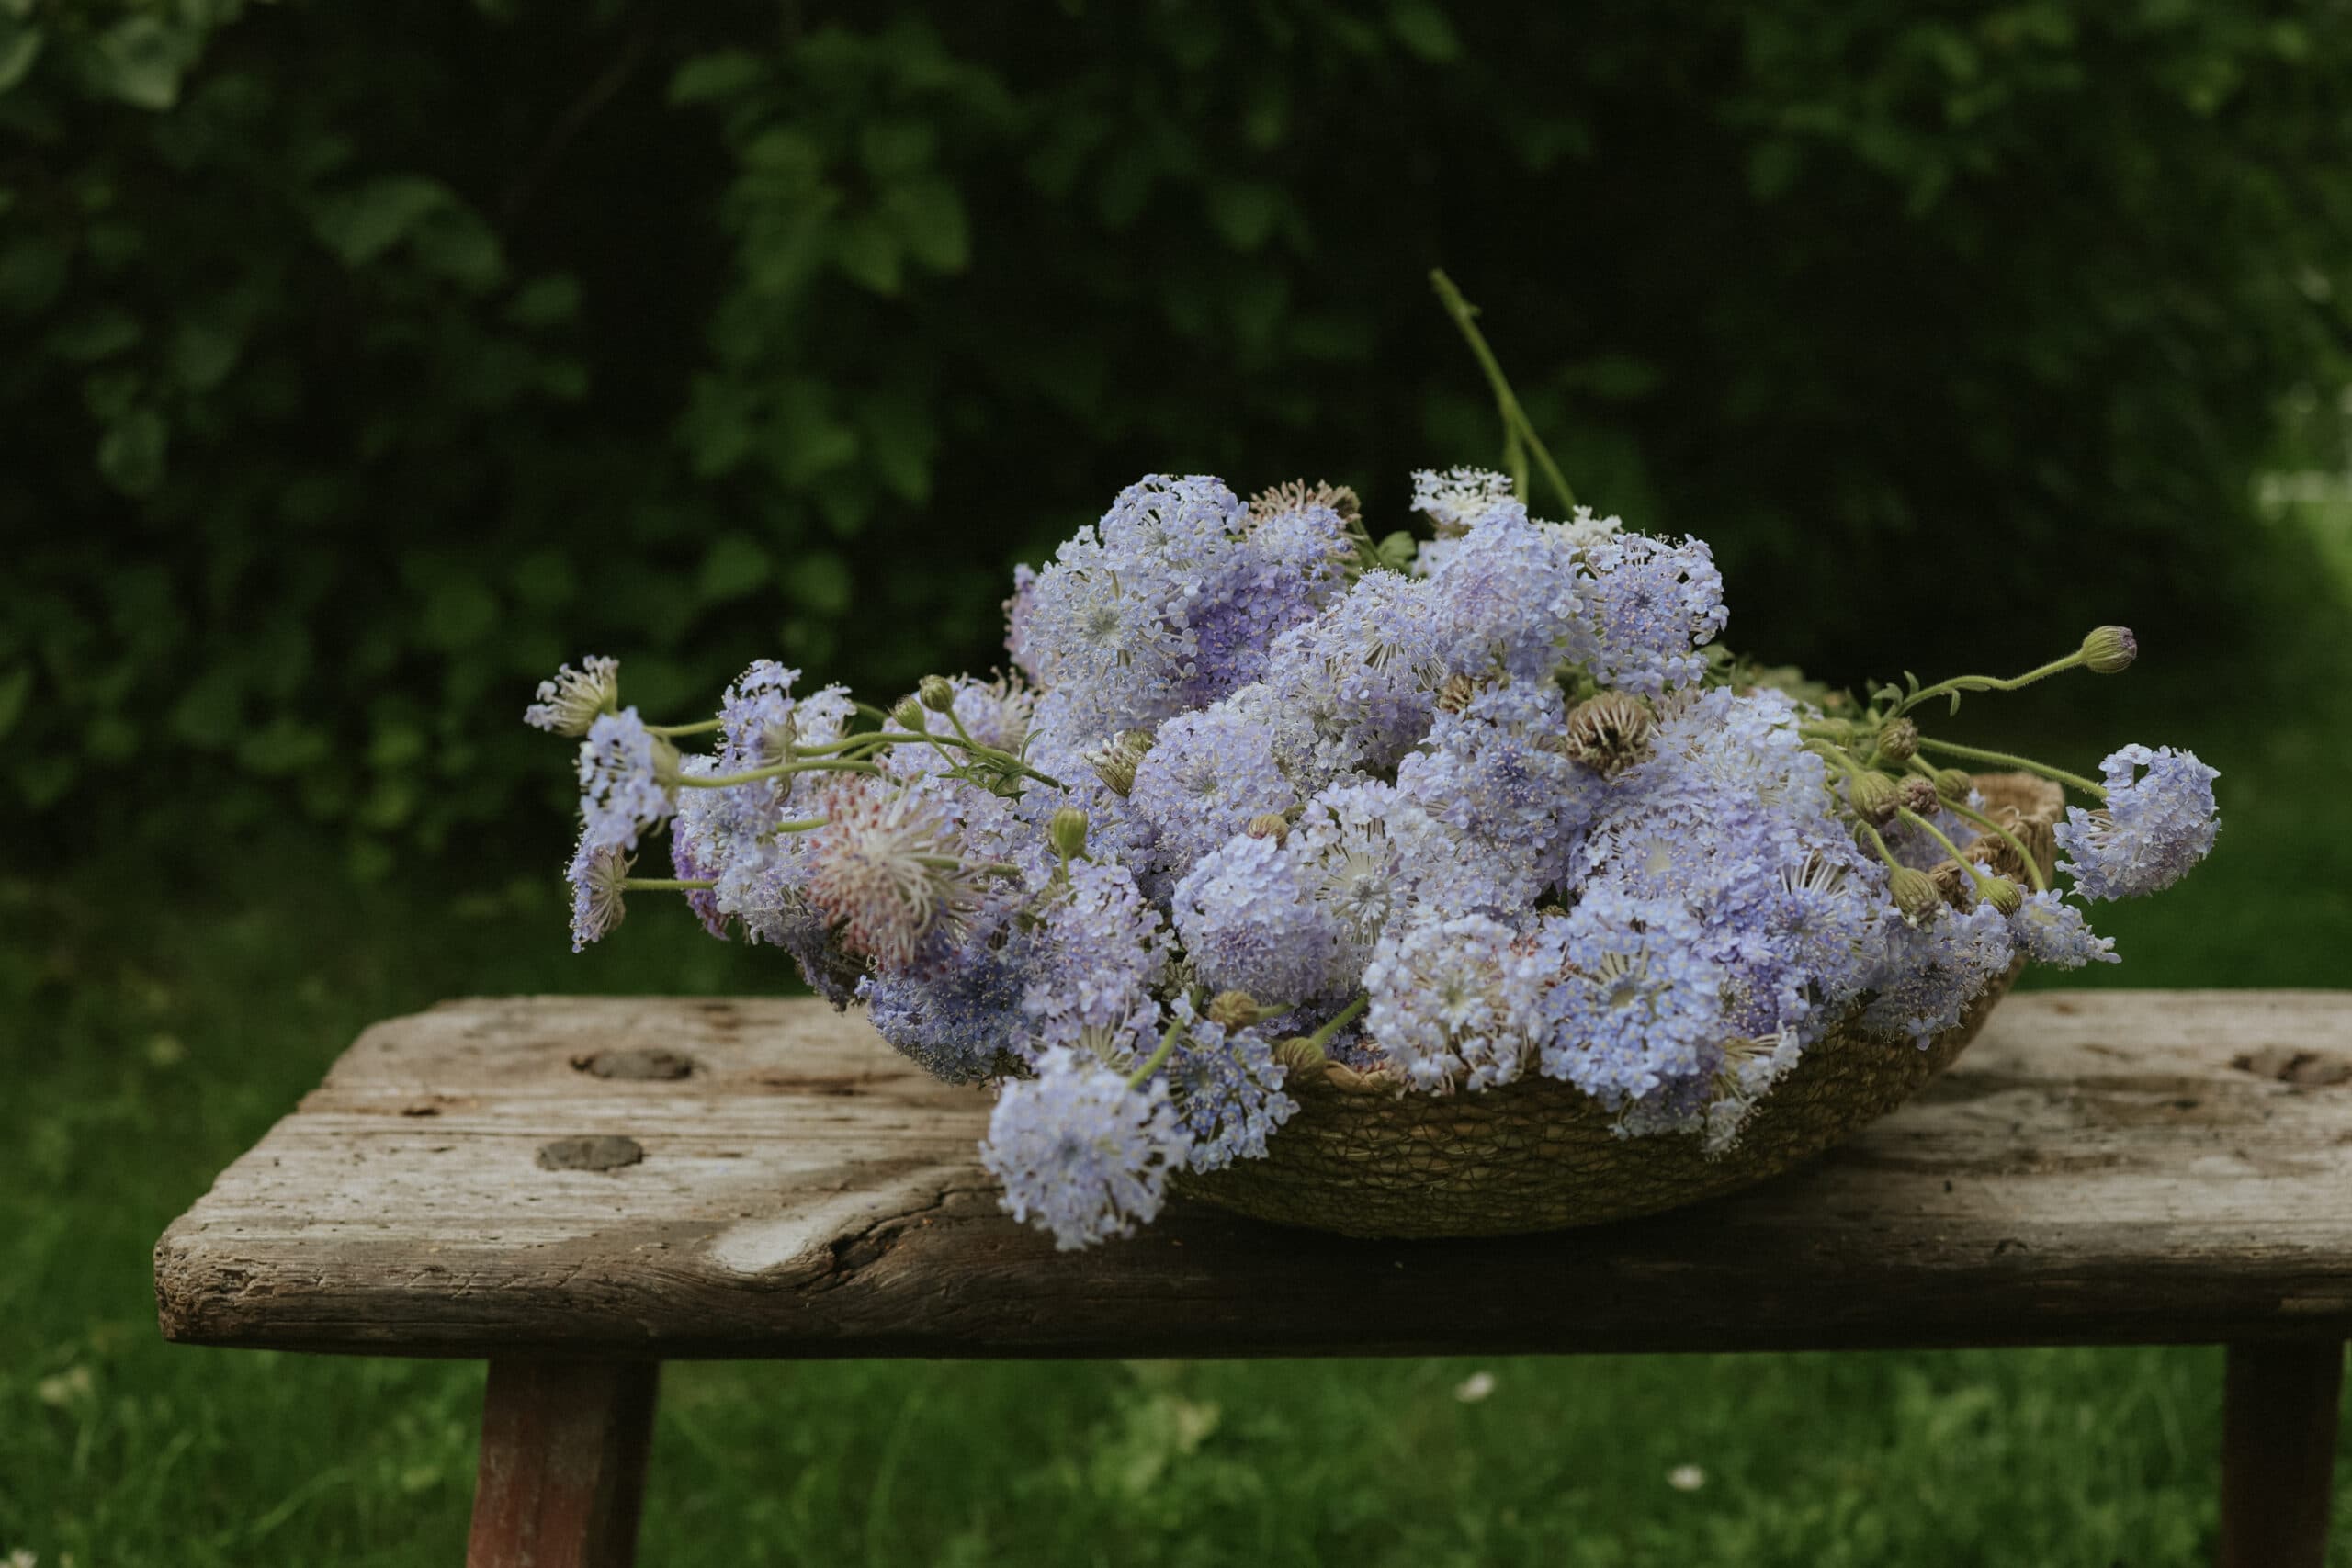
{"x": 578, "y": 1189}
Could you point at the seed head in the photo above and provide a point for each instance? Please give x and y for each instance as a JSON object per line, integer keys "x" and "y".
{"x": 1609, "y": 732}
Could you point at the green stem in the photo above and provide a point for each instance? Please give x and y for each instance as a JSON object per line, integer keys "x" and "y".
{"x": 703, "y": 728}
{"x": 2025, "y": 764}
{"x": 1515, "y": 419}
{"x": 729, "y": 781}
{"x": 1340, "y": 1020}
{"x": 802, "y": 825}
{"x": 666, "y": 884}
{"x": 1885, "y": 855}
{"x": 1975, "y": 871}
{"x": 1962, "y": 809}
{"x": 1989, "y": 682}
{"x": 1152, "y": 1063}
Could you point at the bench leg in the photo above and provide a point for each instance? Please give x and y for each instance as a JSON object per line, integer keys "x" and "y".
{"x": 564, "y": 1449}
{"x": 2279, "y": 1416}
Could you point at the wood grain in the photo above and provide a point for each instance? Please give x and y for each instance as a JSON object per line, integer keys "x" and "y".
{"x": 2095, "y": 1169}
{"x": 562, "y": 1473}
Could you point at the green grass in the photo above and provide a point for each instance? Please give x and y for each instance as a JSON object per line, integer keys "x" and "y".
{"x": 157, "y": 1022}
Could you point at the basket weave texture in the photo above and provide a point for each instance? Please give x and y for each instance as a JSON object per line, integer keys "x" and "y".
{"x": 1365, "y": 1159}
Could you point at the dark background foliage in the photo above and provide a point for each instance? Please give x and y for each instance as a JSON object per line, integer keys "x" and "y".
{"x": 365, "y": 361}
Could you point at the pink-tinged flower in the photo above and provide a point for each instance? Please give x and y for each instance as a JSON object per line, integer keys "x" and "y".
{"x": 887, "y": 867}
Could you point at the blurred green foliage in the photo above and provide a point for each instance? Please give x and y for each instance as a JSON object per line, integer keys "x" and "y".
{"x": 366, "y": 362}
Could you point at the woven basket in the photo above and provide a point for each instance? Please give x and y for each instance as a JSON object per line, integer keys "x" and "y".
{"x": 1363, "y": 1158}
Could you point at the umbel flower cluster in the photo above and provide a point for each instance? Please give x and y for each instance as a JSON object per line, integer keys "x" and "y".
{"x": 1259, "y": 794}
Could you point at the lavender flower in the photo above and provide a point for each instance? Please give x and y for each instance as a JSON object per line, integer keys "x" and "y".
{"x": 1633, "y": 1002}
{"x": 1498, "y": 771}
{"x": 1354, "y": 688}
{"x": 2155, "y": 827}
{"x": 1081, "y": 1154}
{"x": 1250, "y": 921}
{"x": 1508, "y": 596}
{"x": 1099, "y": 952}
{"x": 627, "y": 777}
{"x": 1932, "y": 972}
{"x": 1205, "y": 778}
{"x": 1652, "y": 606}
{"x": 2048, "y": 929}
{"x": 1227, "y": 1089}
{"x": 1456, "y": 1002}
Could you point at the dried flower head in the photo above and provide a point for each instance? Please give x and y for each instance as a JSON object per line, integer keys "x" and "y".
{"x": 1609, "y": 732}
{"x": 887, "y": 867}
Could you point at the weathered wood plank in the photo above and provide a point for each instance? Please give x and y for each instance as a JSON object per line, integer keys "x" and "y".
{"x": 2097, "y": 1168}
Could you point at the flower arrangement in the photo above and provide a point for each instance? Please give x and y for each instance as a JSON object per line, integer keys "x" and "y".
{"x": 1261, "y": 793}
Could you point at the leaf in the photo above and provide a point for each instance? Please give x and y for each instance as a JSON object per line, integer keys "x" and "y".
{"x": 900, "y": 438}
{"x": 19, "y": 47}
{"x": 96, "y": 335}
{"x": 15, "y": 687}
{"x": 710, "y": 78}
{"x": 928, "y": 216}
{"x": 895, "y": 147}
{"x": 360, "y": 225}
{"x": 1245, "y": 211}
{"x": 820, "y": 583}
{"x": 131, "y": 452}
{"x": 734, "y": 566}
{"x": 141, "y": 61}
{"x": 867, "y": 252}
{"x": 1423, "y": 29}
{"x": 1397, "y": 551}
{"x": 203, "y": 353}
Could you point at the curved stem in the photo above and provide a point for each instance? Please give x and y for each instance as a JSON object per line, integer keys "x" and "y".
{"x": 2024, "y": 764}
{"x": 1340, "y": 1020}
{"x": 1966, "y": 812}
{"x": 1989, "y": 683}
{"x": 1152, "y": 1063}
{"x": 1975, "y": 872}
{"x": 1885, "y": 855}
{"x": 1515, "y": 419}
{"x": 666, "y": 884}
{"x": 729, "y": 781}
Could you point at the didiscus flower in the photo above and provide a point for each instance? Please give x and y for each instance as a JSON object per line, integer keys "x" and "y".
{"x": 1081, "y": 1154}
{"x": 2156, "y": 824}
{"x": 627, "y": 778}
{"x": 569, "y": 702}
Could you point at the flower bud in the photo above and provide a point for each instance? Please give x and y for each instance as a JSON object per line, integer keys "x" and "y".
{"x": 1066, "y": 830}
{"x": 1302, "y": 1056}
{"x": 1235, "y": 1009}
{"x": 2003, "y": 895}
{"x": 1913, "y": 893}
{"x": 1611, "y": 731}
{"x": 1919, "y": 794}
{"x": 1269, "y": 824}
{"x": 937, "y": 692}
{"x": 2109, "y": 651}
{"x": 908, "y": 715}
{"x": 1873, "y": 796}
{"x": 1954, "y": 784}
{"x": 1898, "y": 740}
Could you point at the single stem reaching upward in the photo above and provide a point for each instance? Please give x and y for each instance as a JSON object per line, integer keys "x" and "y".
{"x": 1519, "y": 436}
